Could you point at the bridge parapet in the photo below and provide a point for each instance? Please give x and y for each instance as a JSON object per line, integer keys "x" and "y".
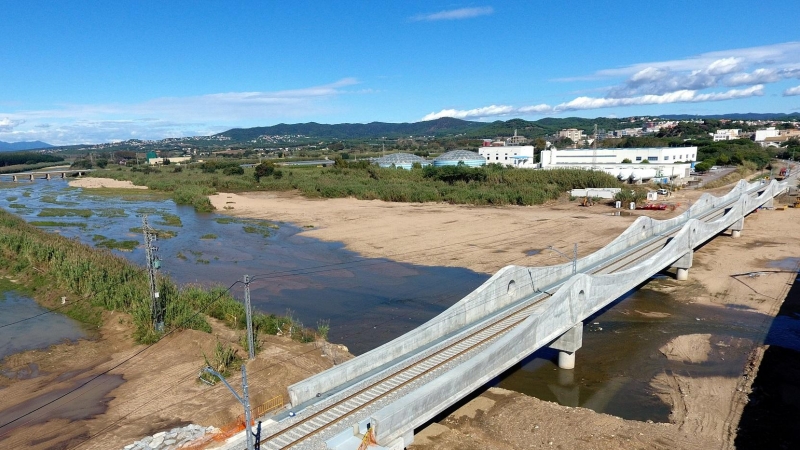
{"x": 578, "y": 298}
{"x": 512, "y": 284}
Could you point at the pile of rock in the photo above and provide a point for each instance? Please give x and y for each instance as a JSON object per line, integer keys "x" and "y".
{"x": 172, "y": 439}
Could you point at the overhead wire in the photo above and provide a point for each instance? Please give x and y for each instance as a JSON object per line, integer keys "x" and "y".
{"x": 135, "y": 354}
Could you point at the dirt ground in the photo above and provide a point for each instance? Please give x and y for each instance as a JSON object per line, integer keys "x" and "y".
{"x": 141, "y": 397}
{"x": 156, "y": 390}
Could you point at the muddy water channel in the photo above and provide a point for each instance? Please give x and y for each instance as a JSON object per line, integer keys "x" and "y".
{"x": 368, "y": 301}
{"x": 15, "y": 334}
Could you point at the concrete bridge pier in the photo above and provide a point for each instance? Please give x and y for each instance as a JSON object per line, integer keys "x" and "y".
{"x": 63, "y": 175}
{"x": 47, "y": 177}
{"x": 30, "y": 177}
{"x": 14, "y": 177}
{"x": 682, "y": 265}
{"x": 567, "y": 345}
{"x": 736, "y": 228}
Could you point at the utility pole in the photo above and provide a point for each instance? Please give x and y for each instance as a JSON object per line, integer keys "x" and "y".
{"x": 574, "y": 258}
{"x": 153, "y": 264}
{"x": 244, "y": 399}
{"x": 251, "y": 350}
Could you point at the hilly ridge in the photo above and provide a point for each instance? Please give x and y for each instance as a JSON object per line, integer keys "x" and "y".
{"x": 450, "y": 127}
{"x": 17, "y": 146}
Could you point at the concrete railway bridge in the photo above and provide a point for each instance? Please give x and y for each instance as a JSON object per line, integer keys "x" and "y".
{"x": 390, "y": 391}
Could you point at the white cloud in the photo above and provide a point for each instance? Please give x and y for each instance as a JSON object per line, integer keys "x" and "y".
{"x": 584, "y": 103}
{"x": 681, "y": 96}
{"x": 486, "y": 111}
{"x": 777, "y": 54}
{"x": 7, "y": 124}
{"x": 455, "y": 14}
{"x": 165, "y": 117}
{"x": 792, "y": 91}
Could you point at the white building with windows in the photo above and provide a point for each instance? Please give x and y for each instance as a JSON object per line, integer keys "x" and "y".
{"x": 665, "y": 164}
{"x": 726, "y": 134}
{"x": 510, "y": 155}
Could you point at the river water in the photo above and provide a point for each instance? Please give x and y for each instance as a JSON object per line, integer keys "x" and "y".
{"x": 370, "y": 301}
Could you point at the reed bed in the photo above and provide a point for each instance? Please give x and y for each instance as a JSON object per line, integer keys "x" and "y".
{"x": 101, "y": 280}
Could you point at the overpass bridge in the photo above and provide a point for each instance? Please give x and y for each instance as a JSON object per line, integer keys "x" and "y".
{"x": 45, "y": 174}
{"x": 397, "y": 387}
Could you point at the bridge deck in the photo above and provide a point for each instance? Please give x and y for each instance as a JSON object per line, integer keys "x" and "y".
{"x": 373, "y": 390}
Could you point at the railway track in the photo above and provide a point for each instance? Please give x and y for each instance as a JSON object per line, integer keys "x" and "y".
{"x": 458, "y": 347}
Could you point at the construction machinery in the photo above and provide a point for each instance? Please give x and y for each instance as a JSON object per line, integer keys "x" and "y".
{"x": 587, "y": 201}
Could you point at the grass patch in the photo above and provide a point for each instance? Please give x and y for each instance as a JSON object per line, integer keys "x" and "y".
{"x": 170, "y": 220}
{"x": 112, "y": 213}
{"x": 202, "y": 261}
{"x": 225, "y": 220}
{"x": 181, "y": 256}
{"x": 52, "y": 223}
{"x": 208, "y": 236}
{"x": 12, "y": 199}
{"x": 129, "y": 195}
{"x": 54, "y": 200}
{"x": 26, "y": 193}
{"x": 113, "y": 244}
{"x": 161, "y": 234}
{"x": 17, "y": 206}
{"x": 65, "y": 212}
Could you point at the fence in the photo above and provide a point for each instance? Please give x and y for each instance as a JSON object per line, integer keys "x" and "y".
{"x": 270, "y": 405}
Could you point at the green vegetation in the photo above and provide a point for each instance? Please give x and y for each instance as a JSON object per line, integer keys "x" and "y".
{"x": 65, "y": 212}
{"x": 170, "y": 220}
{"x": 223, "y": 361}
{"x": 208, "y": 236}
{"x": 112, "y": 244}
{"x": 17, "y": 206}
{"x": 48, "y": 263}
{"x": 27, "y": 159}
{"x": 161, "y": 234}
{"x": 11, "y": 199}
{"x": 54, "y": 200}
{"x": 491, "y": 185}
{"x": 112, "y": 213}
{"x": 51, "y": 223}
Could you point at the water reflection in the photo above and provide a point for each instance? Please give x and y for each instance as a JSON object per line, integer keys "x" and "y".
{"x": 39, "y": 332}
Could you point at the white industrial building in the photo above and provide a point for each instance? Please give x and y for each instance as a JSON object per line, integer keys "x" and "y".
{"x": 664, "y": 164}
{"x": 509, "y": 155}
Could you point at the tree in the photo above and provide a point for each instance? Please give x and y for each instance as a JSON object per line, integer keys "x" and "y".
{"x": 264, "y": 169}
{"x": 702, "y": 167}
{"x": 539, "y": 144}
{"x": 626, "y": 161}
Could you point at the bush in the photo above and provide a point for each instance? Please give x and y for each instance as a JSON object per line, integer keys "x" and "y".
{"x": 237, "y": 170}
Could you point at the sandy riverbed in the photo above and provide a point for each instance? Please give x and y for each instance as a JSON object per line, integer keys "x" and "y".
{"x": 103, "y": 183}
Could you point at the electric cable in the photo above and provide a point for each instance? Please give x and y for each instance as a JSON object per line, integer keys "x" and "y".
{"x": 137, "y": 353}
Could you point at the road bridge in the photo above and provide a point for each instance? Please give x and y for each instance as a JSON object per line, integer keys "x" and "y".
{"x": 397, "y": 387}
{"x": 45, "y": 175}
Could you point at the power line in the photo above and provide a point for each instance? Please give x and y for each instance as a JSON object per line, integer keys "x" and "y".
{"x": 123, "y": 361}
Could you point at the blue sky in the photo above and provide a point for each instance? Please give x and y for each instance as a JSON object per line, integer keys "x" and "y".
{"x": 90, "y": 72}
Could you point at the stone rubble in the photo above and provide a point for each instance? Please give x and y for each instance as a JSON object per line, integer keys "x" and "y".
{"x": 173, "y": 439}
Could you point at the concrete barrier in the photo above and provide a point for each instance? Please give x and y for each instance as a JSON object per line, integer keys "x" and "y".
{"x": 508, "y": 286}
{"x": 580, "y": 297}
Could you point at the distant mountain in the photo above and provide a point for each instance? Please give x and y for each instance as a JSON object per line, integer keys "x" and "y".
{"x": 17, "y": 146}
{"x": 438, "y": 127}
{"x": 735, "y": 116}
{"x": 456, "y": 127}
